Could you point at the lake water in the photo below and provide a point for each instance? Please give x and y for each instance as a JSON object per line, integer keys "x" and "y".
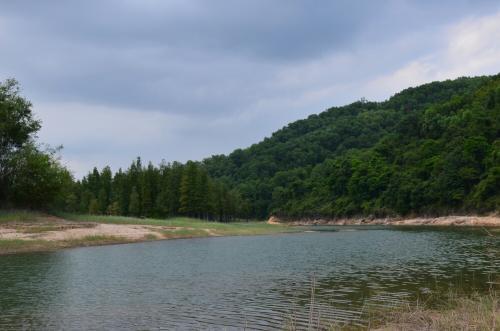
{"x": 258, "y": 282}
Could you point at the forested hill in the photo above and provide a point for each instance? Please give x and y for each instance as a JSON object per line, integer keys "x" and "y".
{"x": 433, "y": 149}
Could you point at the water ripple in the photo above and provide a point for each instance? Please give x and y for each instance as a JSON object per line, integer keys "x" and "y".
{"x": 258, "y": 283}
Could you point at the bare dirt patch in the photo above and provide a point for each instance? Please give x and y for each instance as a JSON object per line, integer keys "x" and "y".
{"x": 274, "y": 220}
{"x": 46, "y": 233}
{"x": 56, "y": 229}
{"x": 132, "y": 232}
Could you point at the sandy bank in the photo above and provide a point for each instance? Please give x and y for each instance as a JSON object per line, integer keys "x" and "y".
{"x": 42, "y": 232}
{"x": 485, "y": 221}
{"x": 56, "y": 229}
{"x": 50, "y": 233}
{"x": 132, "y": 232}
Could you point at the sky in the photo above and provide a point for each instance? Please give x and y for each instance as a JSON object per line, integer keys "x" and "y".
{"x": 187, "y": 79}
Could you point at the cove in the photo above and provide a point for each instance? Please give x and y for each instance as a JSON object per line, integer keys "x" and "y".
{"x": 257, "y": 282}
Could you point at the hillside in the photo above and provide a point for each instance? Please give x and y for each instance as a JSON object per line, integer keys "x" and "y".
{"x": 433, "y": 149}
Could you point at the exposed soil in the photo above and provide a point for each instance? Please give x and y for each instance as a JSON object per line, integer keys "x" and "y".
{"x": 56, "y": 229}
{"x": 49, "y": 233}
{"x": 485, "y": 221}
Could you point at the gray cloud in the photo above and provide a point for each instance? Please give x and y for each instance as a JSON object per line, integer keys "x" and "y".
{"x": 186, "y": 79}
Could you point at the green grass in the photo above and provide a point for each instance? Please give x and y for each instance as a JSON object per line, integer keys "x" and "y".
{"x": 185, "y": 233}
{"x": 93, "y": 241}
{"x": 18, "y": 216}
{"x": 456, "y": 312}
{"x": 172, "y": 228}
{"x": 234, "y": 228}
{"x": 441, "y": 311}
{"x": 18, "y": 245}
{"x": 9, "y": 246}
{"x": 151, "y": 237}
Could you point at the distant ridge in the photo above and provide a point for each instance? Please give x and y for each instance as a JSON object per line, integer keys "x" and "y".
{"x": 432, "y": 149}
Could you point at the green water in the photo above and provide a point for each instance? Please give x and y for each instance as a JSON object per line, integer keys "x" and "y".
{"x": 235, "y": 282}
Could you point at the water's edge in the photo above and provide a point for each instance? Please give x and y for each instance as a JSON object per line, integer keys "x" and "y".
{"x": 262, "y": 282}
{"x": 451, "y": 220}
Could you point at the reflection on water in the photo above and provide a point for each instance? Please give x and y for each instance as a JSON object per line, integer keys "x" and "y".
{"x": 234, "y": 282}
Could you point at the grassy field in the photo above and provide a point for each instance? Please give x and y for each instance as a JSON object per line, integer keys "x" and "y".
{"x": 217, "y": 228}
{"x": 18, "y": 216}
{"x": 33, "y": 230}
{"x": 11, "y": 246}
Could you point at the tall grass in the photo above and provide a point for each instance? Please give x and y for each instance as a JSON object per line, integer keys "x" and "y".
{"x": 18, "y": 215}
{"x": 458, "y": 312}
{"x": 457, "y": 309}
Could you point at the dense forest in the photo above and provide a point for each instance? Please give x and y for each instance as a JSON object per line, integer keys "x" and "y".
{"x": 33, "y": 177}
{"x": 433, "y": 149}
{"x": 167, "y": 190}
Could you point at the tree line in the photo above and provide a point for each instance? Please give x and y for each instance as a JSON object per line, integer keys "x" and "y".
{"x": 432, "y": 149}
{"x": 32, "y": 176}
{"x": 170, "y": 189}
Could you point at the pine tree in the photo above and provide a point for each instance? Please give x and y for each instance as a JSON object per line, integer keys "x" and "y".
{"x": 174, "y": 188}
{"x": 94, "y": 182}
{"x": 71, "y": 202}
{"x": 167, "y": 190}
{"x": 218, "y": 202}
{"x": 94, "y": 207}
{"x": 113, "y": 208}
{"x": 149, "y": 183}
{"x": 102, "y": 200}
{"x": 120, "y": 192}
{"x": 85, "y": 199}
{"x": 134, "y": 204}
{"x": 162, "y": 201}
{"x": 202, "y": 198}
{"x": 188, "y": 199}
{"x": 106, "y": 182}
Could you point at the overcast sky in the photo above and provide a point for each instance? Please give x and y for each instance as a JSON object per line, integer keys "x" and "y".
{"x": 186, "y": 79}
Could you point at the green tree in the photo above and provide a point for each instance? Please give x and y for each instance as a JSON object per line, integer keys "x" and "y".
{"x": 148, "y": 187}
{"x": 425, "y": 150}
{"x": 105, "y": 188}
{"x": 94, "y": 208}
{"x": 114, "y": 208}
{"x": 102, "y": 200}
{"x": 121, "y": 192}
{"x": 36, "y": 178}
{"x": 134, "y": 207}
{"x": 17, "y": 129}
{"x": 188, "y": 190}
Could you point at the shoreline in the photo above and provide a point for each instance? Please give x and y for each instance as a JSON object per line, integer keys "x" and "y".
{"x": 45, "y": 233}
{"x": 456, "y": 312}
{"x": 492, "y": 221}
